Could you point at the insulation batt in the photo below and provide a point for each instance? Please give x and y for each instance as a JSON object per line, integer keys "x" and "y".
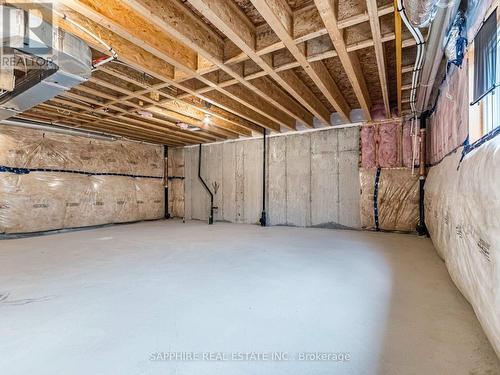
{"x": 463, "y": 217}
{"x": 386, "y": 144}
{"x": 41, "y": 201}
{"x": 449, "y": 125}
{"x": 397, "y": 199}
{"x": 30, "y": 148}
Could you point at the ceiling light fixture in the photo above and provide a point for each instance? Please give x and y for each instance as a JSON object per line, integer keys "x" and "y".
{"x": 207, "y": 120}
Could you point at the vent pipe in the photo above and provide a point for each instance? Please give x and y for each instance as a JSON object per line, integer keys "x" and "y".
{"x": 420, "y": 12}
{"x": 40, "y": 70}
{"x": 446, "y": 12}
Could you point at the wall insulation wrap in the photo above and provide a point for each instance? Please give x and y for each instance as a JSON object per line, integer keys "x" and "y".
{"x": 70, "y": 181}
{"x": 463, "y": 217}
{"x": 313, "y": 179}
{"x": 397, "y": 199}
{"x": 448, "y": 126}
{"x": 388, "y": 144}
{"x": 176, "y": 182}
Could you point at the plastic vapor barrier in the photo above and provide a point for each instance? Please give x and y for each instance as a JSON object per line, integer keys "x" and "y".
{"x": 392, "y": 203}
{"x": 449, "y": 124}
{"x": 54, "y": 181}
{"x": 463, "y": 217}
{"x": 387, "y": 144}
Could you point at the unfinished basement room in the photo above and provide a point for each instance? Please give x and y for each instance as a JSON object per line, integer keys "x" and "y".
{"x": 249, "y": 187}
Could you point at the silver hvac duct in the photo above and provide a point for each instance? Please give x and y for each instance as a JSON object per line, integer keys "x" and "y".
{"x": 39, "y": 60}
{"x": 446, "y": 11}
{"x": 58, "y": 128}
{"x": 420, "y": 12}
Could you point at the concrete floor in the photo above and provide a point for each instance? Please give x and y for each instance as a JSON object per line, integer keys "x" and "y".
{"x": 106, "y": 301}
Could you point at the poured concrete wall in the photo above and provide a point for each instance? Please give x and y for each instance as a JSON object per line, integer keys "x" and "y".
{"x": 313, "y": 179}
{"x": 233, "y": 172}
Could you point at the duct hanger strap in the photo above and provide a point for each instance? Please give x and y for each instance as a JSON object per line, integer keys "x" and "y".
{"x": 21, "y": 171}
{"x": 375, "y": 199}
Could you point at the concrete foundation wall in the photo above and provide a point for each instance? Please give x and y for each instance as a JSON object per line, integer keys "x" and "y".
{"x": 313, "y": 180}
{"x": 233, "y": 172}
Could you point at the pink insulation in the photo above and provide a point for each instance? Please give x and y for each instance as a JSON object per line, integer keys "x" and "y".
{"x": 381, "y": 144}
{"x": 368, "y": 154}
{"x": 389, "y": 135}
{"x": 449, "y": 125}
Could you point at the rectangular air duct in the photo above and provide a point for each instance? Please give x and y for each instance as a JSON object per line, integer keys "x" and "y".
{"x": 38, "y": 62}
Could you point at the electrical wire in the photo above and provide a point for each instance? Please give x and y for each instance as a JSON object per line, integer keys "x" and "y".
{"x": 98, "y": 62}
{"x": 419, "y": 60}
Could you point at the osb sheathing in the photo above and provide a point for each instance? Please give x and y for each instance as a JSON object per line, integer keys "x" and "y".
{"x": 367, "y": 58}
{"x": 299, "y": 4}
{"x": 253, "y": 14}
{"x": 348, "y": 8}
{"x": 390, "y": 60}
{"x": 304, "y": 77}
{"x": 339, "y": 75}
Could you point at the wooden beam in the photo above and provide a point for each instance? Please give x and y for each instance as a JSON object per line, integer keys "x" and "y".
{"x": 218, "y": 127}
{"x": 222, "y": 118}
{"x": 349, "y": 61}
{"x": 129, "y": 53}
{"x": 121, "y": 129}
{"x": 271, "y": 11}
{"x": 234, "y": 24}
{"x": 329, "y": 53}
{"x": 175, "y": 18}
{"x": 116, "y": 14}
{"x": 207, "y": 134}
{"x": 307, "y": 25}
{"x": 379, "y": 53}
{"x": 399, "y": 45}
{"x": 311, "y": 58}
{"x": 133, "y": 55}
{"x": 164, "y": 126}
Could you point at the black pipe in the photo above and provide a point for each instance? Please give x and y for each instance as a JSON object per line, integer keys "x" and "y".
{"x": 165, "y": 158}
{"x": 421, "y": 227}
{"x": 211, "y": 217}
{"x": 263, "y": 218}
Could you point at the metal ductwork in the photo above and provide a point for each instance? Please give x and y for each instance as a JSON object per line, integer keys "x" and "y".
{"x": 38, "y": 61}
{"x": 445, "y": 16}
{"x": 420, "y": 12}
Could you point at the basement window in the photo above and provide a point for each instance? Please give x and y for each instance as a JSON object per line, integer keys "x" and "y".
{"x": 484, "y": 79}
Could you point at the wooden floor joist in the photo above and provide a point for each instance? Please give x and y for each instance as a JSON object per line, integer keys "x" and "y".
{"x": 192, "y": 32}
{"x": 276, "y": 14}
{"x": 227, "y": 68}
{"x": 349, "y": 60}
{"x": 379, "y": 52}
{"x": 130, "y": 25}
